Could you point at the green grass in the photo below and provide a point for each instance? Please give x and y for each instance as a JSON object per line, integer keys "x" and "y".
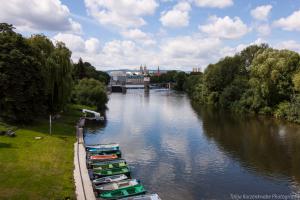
{"x": 39, "y": 169}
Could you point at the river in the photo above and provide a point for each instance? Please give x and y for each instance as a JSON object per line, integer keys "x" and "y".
{"x": 186, "y": 152}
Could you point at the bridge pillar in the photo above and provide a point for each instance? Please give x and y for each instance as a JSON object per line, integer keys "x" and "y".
{"x": 124, "y": 90}
{"x": 146, "y": 83}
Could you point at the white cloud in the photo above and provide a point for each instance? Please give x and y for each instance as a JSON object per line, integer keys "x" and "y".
{"x": 214, "y": 3}
{"x": 230, "y": 51}
{"x": 182, "y": 53}
{"x": 77, "y": 44}
{"x": 172, "y": 53}
{"x": 122, "y": 53}
{"x": 290, "y": 44}
{"x": 261, "y": 12}
{"x": 36, "y": 15}
{"x": 121, "y": 13}
{"x": 263, "y": 29}
{"x": 226, "y": 27}
{"x": 73, "y": 42}
{"x": 290, "y": 23}
{"x": 188, "y": 51}
{"x": 193, "y": 47}
{"x": 92, "y": 45}
{"x": 138, "y": 36}
{"x": 177, "y": 17}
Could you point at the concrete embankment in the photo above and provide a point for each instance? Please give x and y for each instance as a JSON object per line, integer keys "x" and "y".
{"x": 84, "y": 188}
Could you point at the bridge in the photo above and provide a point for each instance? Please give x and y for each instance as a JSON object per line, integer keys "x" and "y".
{"x": 124, "y": 85}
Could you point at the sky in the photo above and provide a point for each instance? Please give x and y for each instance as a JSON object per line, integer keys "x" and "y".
{"x": 171, "y": 34}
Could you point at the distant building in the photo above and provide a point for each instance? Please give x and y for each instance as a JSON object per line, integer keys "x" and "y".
{"x": 118, "y": 77}
{"x": 135, "y": 79}
{"x": 158, "y": 71}
{"x": 196, "y": 69}
{"x": 141, "y": 69}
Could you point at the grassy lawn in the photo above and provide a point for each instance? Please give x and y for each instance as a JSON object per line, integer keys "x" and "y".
{"x": 39, "y": 169}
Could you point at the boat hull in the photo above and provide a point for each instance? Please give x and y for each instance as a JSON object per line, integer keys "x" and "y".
{"x": 109, "y": 179}
{"x": 110, "y": 166}
{"x": 117, "y": 185}
{"x": 144, "y": 197}
{"x": 102, "y": 157}
{"x": 121, "y": 193}
{"x": 111, "y": 172}
{"x": 118, "y": 153}
{"x": 103, "y": 146}
{"x": 92, "y": 149}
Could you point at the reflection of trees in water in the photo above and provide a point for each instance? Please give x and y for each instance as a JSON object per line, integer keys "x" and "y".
{"x": 269, "y": 146}
{"x": 95, "y": 126}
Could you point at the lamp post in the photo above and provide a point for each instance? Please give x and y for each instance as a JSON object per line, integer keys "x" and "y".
{"x": 50, "y": 125}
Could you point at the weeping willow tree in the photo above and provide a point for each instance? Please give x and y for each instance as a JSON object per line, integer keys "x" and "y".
{"x": 58, "y": 70}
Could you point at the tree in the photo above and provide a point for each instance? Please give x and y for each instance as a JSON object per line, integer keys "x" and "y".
{"x": 79, "y": 70}
{"x": 56, "y": 69}
{"x": 86, "y": 70}
{"x": 248, "y": 54}
{"x": 21, "y": 81}
{"x": 232, "y": 94}
{"x": 165, "y": 77}
{"x": 42, "y": 45}
{"x": 271, "y": 75}
{"x": 59, "y": 78}
{"x": 180, "y": 79}
{"x": 296, "y": 81}
{"x": 191, "y": 82}
{"x": 218, "y": 76}
{"x": 90, "y": 92}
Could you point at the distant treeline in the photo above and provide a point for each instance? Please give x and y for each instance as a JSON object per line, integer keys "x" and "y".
{"x": 38, "y": 78}
{"x": 259, "y": 79}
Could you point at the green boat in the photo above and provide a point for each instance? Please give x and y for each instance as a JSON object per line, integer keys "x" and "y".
{"x": 109, "y": 166}
{"x": 118, "y": 153}
{"x": 100, "y": 163}
{"x": 110, "y": 172}
{"x": 125, "y": 192}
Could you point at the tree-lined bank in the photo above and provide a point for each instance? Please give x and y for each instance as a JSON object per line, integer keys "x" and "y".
{"x": 258, "y": 80}
{"x": 37, "y": 77}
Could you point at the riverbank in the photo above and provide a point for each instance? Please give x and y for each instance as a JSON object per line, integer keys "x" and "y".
{"x": 39, "y": 168}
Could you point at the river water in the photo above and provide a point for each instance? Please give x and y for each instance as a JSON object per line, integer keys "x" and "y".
{"x": 185, "y": 152}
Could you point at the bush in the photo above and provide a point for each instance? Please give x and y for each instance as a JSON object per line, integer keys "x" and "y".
{"x": 282, "y": 110}
{"x": 289, "y": 110}
{"x": 90, "y": 92}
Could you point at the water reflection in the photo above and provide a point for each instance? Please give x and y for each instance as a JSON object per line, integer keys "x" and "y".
{"x": 187, "y": 152}
{"x": 262, "y": 144}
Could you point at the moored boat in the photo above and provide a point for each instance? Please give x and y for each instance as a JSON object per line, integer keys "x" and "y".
{"x": 103, "y": 157}
{"x": 125, "y": 192}
{"x": 144, "y": 197}
{"x": 109, "y": 179}
{"x": 117, "y": 185}
{"x": 102, "y": 149}
{"x": 113, "y": 171}
{"x": 103, "y": 146}
{"x": 101, "y": 163}
{"x": 107, "y": 165}
{"x": 118, "y": 153}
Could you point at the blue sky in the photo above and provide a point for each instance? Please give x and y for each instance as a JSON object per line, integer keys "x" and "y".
{"x": 173, "y": 34}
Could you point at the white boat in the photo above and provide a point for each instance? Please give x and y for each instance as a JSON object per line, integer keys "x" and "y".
{"x": 144, "y": 197}
{"x": 109, "y": 179}
{"x": 117, "y": 185}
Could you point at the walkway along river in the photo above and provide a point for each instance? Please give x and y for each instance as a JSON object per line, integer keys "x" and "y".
{"x": 182, "y": 151}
